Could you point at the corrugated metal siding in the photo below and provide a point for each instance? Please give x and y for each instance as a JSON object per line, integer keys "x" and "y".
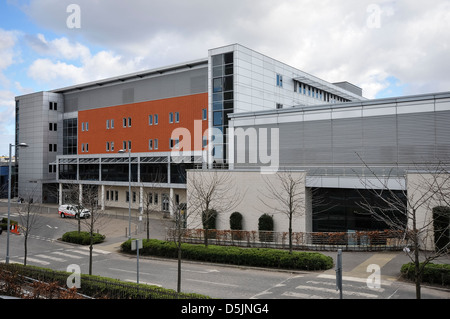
{"x": 404, "y": 138}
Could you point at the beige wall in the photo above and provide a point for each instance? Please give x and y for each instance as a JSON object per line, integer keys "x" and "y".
{"x": 426, "y": 191}
{"x": 254, "y": 200}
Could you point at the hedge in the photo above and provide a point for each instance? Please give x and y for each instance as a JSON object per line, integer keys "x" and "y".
{"x": 432, "y": 273}
{"x": 82, "y": 238}
{"x": 101, "y": 287}
{"x": 258, "y": 257}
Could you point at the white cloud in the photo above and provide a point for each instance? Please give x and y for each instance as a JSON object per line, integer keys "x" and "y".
{"x": 330, "y": 39}
{"x": 59, "y": 72}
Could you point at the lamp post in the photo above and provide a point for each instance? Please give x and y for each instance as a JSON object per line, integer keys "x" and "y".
{"x": 129, "y": 190}
{"x": 9, "y": 199}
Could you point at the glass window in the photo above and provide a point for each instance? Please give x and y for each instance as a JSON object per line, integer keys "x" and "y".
{"x": 156, "y": 119}
{"x": 129, "y": 122}
{"x": 204, "y": 114}
{"x": 150, "y": 144}
{"x": 150, "y": 120}
{"x": 217, "y": 85}
{"x": 124, "y": 120}
{"x": 112, "y": 123}
{"x": 156, "y": 144}
{"x": 279, "y": 80}
{"x": 107, "y": 124}
{"x": 217, "y": 119}
{"x": 170, "y": 117}
{"x": 177, "y": 117}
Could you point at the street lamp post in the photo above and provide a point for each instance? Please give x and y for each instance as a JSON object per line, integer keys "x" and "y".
{"x": 129, "y": 191}
{"x": 9, "y": 198}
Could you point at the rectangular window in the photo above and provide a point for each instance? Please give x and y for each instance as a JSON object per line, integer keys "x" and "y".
{"x": 87, "y": 126}
{"x": 204, "y": 114}
{"x": 107, "y": 124}
{"x": 124, "y": 122}
{"x": 117, "y": 196}
{"x": 177, "y": 117}
{"x": 127, "y": 199}
{"x": 129, "y": 145}
{"x": 150, "y": 198}
{"x": 279, "y": 80}
{"x": 129, "y": 122}
{"x": 170, "y": 117}
{"x": 156, "y": 119}
{"x": 150, "y": 144}
{"x": 107, "y": 146}
{"x": 112, "y": 146}
{"x": 134, "y": 197}
{"x": 156, "y": 144}
{"x": 156, "y": 198}
{"x": 50, "y": 126}
{"x": 124, "y": 145}
{"x": 279, "y": 106}
{"x": 55, "y": 127}
{"x": 112, "y": 123}
{"x": 150, "y": 120}
{"x": 82, "y": 127}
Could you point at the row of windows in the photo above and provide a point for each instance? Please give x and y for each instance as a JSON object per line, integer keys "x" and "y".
{"x": 152, "y": 198}
{"x": 311, "y": 91}
{"x": 174, "y": 117}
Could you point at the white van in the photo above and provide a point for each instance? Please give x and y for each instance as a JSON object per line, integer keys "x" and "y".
{"x": 73, "y": 211}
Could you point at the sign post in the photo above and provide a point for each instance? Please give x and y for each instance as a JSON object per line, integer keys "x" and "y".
{"x": 136, "y": 244}
{"x": 339, "y": 273}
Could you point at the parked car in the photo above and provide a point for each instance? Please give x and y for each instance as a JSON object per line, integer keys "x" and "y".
{"x": 73, "y": 211}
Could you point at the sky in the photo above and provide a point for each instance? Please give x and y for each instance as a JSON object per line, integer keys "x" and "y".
{"x": 388, "y": 48}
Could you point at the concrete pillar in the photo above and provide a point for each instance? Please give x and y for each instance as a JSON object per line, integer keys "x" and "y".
{"x": 102, "y": 197}
{"x": 171, "y": 202}
{"x": 60, "y": 194}
{"x": 80, "y": 194}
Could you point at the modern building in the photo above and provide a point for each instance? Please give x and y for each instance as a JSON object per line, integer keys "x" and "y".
{"x": 238, "y": 110}
{"x": 75, "y": 133}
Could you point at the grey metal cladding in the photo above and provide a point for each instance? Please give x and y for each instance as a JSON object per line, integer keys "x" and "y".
{"x": 412, "y": 138}
{"x": 169, "y": 85}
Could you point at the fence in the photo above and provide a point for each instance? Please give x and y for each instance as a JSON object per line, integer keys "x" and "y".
{"x": 357, "y": 240}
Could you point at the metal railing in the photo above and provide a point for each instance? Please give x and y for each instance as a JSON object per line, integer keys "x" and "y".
{"x": 358, "y": 240}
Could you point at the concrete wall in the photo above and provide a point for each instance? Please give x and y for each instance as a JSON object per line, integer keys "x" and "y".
{"x": 254, "y": 198}
{"x": 425, "y": 191}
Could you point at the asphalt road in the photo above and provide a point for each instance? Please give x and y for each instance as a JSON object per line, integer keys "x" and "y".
{"x": 217, "y": 281}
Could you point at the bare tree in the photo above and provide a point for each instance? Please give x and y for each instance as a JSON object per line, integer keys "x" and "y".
{"x": 86, "y": 197}
{"x": 209, "y": 191}
{"x": 286, "y": 195}
{"x": 410, "y": 210}
{"x": 29, "y": 220}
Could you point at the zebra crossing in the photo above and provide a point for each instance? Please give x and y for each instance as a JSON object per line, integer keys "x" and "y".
{"x": 323, "y": 286}
{"x": 61, "y": 255}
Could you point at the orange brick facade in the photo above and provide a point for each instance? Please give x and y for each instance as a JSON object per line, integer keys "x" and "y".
{"x": 104, "y": 130}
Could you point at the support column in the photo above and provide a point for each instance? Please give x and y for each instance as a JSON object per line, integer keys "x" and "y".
{"x": 60, "y": 192}
{"x": 171, "y": 202}
{"x": 102, "y": 197}
{"x": 141, "y": 199}
{"x": 80, "y": 194}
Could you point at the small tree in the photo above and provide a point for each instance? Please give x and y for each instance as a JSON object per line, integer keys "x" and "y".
{"x": 265, "y": 227}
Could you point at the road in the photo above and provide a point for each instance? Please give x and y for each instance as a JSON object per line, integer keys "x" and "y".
{"x": 217, "y": 281}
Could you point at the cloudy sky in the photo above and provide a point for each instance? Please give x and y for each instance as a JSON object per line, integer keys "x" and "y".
{"x": 389, "y": 48}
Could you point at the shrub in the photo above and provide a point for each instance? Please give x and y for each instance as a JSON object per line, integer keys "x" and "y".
{"x": 257, "y": 257}
{"x": 4, "y": 223}
{"x": 236, "y": 221}
{"x": 236, "y": 224}
{"x": 432, "y": 273}
{"x": 265, "y": 227}
{"x": 82, "y": 238}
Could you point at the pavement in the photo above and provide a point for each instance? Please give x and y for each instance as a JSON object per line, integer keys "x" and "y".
{"x": 356, "y": 264}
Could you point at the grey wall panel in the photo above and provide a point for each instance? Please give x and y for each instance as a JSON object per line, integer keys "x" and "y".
{"x": 389, "y": 140}
{"x": 148, "y": 89}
